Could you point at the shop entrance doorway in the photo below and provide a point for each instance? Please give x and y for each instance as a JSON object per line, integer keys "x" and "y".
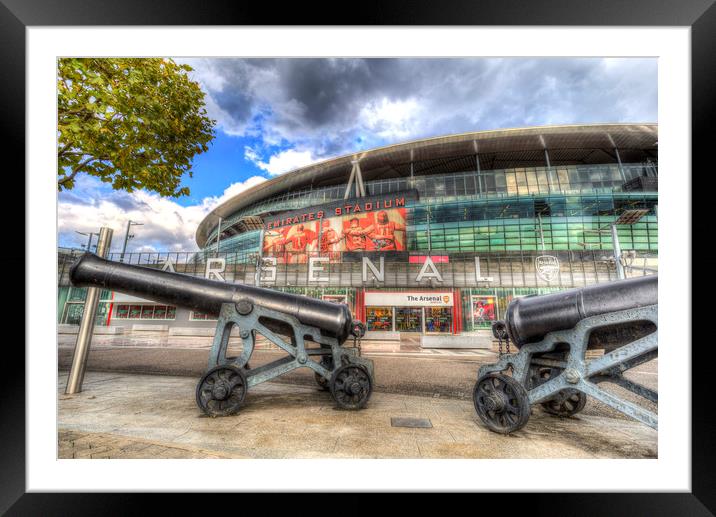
{"x": 409, "y": 319}
{"x": 426, "y": 320}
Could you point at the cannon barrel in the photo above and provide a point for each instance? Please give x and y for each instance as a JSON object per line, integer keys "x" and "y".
{"x": 205, "y": 295}
{"x": 530, "y": 318}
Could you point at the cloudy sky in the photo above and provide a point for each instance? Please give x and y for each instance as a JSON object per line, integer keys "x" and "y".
{"x": 274, "y": 115}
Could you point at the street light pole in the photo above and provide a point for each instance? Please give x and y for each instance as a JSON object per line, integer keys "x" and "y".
{"x": 126, "y": 237}
{"x": 627, "y": 217}
{"x": 84, "y": 334}
{"x": 89, "y": 241}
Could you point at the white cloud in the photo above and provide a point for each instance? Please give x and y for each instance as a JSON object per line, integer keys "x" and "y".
{"x": 168, "y": 226}
{"x": 391, "y": 119}
{"x": 331, "y": 107}
{"x": 281, "y": 162}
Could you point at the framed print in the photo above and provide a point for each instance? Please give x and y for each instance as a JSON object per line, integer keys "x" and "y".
{"x": 402, "y": 192}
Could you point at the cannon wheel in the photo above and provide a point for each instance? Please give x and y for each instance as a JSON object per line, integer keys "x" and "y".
{"x": 501, "y": 403}
{"x": 323, "y": 383}
{"x": 351, "y": 386}
{"x": 221, "y": 390}
{"x": 566, "y": 402}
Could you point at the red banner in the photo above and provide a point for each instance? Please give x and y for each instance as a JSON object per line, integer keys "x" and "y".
{"x": 382, "y": 230}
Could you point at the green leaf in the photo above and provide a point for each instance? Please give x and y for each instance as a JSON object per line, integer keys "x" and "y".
{"x": 141, "y": 121}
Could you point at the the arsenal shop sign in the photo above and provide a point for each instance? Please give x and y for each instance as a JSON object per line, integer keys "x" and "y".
{"x": 408, "y": 299}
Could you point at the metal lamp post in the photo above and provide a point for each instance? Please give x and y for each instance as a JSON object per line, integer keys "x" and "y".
{"x": 626, "y": 218}
{"x": 84, "y": 335}
{"x": 89, "y": 241}
{"x": 130, "y": 223}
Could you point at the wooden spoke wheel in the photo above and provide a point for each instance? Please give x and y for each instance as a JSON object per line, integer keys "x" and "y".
{"x": 565, "y": 403}
{"x": 351, "y": 386}
{"x": 501, "y": 403}
{"x": 221, "y": 391}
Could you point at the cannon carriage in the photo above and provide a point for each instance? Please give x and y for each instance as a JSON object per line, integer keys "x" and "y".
{"x": 311, "y": 332}
{"x": 553, "y": 334}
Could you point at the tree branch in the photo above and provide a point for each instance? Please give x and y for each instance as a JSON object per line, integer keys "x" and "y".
{"x": 63, "y": 149}
{"x": 75, "y": 170}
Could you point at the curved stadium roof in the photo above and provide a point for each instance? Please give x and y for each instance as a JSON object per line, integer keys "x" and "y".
{"x": 497, "y": 149}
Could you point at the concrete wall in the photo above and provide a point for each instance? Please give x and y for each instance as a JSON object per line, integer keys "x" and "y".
{"x": 478, "y": 339}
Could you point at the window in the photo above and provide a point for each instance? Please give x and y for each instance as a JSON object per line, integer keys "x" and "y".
{"x": 379, "y": 318}
{"x": 203, "y": 316}
{"x": 145, "y": 311}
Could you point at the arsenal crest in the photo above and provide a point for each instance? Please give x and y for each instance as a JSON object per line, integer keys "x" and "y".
{"x": 547, "y": 267}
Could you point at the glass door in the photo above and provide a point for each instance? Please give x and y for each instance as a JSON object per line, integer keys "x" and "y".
{"x": 409, "y": 319}
{"x": 438, "y": 319}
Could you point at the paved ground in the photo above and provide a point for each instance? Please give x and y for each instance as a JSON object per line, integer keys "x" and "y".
{"x": 442, "y": 375}
{"x": 121, "y": 415}
{"x": 445, "y": 374}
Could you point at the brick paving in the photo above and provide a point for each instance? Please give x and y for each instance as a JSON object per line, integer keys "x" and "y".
{"x": 85, "y": 445}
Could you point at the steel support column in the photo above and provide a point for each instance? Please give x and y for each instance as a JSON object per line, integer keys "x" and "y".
{"x": 359, "y": 180}
{"x": 218, "y": 237}
{"x": 617, "y": 253}
{"x": 347, "y": 193}
{"x": 477, "y": 167}
{"x": 541, "y": 231}
{"x": 549, "y": 165}
{"x": 619, "y": 159}
{"x": 621, "y": 168}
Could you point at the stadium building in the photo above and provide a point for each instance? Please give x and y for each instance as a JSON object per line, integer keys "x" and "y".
{"x": 433, "y": 237}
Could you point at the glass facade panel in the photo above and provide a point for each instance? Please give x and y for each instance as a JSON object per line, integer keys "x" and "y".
{"x": 493, "y": 183}
{"x": 379, "y": 318}
{"x": 72, "y": 313}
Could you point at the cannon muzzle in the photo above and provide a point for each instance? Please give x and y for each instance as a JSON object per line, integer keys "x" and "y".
{"x": 531, "y": 318}
{"x": 205, "y": 295}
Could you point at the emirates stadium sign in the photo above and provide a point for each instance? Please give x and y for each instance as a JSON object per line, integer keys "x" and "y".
{"x": 368, "y": 224}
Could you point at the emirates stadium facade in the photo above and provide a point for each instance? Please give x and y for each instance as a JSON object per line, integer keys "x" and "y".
{"x": 434, "y": 237}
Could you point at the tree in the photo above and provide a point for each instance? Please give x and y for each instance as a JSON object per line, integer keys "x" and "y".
{"x": 134, "y": 123}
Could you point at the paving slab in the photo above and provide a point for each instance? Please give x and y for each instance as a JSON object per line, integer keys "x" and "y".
{"x": 149, "y": 416}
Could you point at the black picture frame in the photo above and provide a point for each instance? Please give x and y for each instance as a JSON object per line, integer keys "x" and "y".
{"x": 17, "y": 15}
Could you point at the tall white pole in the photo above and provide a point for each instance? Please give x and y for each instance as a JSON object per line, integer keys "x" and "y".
{"x": 84, "y": 336}
{"x": 126, "y": 239}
